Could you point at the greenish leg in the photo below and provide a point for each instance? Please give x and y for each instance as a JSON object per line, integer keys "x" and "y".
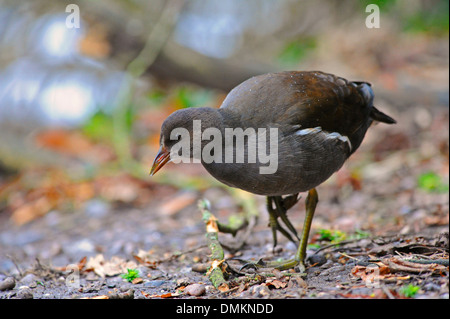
{"x": 273, "y": 222}
{"x": 311, "y": 203}
{"x": 300, "y": 256}
{"x": 281, "y": 209}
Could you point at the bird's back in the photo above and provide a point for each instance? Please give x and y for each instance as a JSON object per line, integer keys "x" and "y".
{"x": 300, "y": 100}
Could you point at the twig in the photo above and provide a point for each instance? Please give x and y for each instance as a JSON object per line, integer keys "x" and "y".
{"x": 15, "y": 264}
{"x": 178, "y": 255}
{"x": 347, "y": 256}
{"x": 215, "y": 272}
{"x": 387, "y": 292}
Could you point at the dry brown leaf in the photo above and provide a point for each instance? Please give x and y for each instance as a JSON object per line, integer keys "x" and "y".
{"x": 80, "y": 265}
{"x": 112, "y": 267}
{"x": 137, "y": 280}
{"x": 276, "y": 283}
{"x": 63, "y": 141}
{"x": 31, "y": 210}
{"x": 223, "y": 287}
{"x": 122, "y": 188}
{"x": 142, "y": 257}
{"x": 167, "y": 295}
{"x": 96, "y": 297}
{"x": 177, "y": 203}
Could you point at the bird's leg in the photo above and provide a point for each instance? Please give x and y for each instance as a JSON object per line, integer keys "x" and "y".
{"x": 300, "y": 256}
{"x": 282, "y": 205}
{"x": 311, "y": 203}
{"x": 273, "y": 221}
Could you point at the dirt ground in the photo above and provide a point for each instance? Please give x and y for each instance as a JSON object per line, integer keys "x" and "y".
{"x": 384, "y": 222}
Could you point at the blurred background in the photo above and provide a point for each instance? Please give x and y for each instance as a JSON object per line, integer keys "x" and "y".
{"x": 81, "y": 104}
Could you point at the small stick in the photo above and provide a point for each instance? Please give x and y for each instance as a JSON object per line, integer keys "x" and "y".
{"x": 215, "y": 272}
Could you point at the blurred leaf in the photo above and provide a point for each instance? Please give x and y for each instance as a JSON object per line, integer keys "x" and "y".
{"x": 384, "y": 5}
{"x": 409, "y": 291}
{"x": 297, "y": 50}
{"x": 186, "y": 97}
{"x": 434, "y": 21}
{"x": 156, "y": 97}
{"x": 313, "y": 246}
{"x": 360, "y": 234}
{"x": 431, "y": 182}
{"x": 334, "y": 236}
{"x": 100, "y": 126}
{"x": 131, "y": 274}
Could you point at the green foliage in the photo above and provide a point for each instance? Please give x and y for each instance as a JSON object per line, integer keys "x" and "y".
{"x": 360, "y": 234}
{"x": 384, "y": 5}
{"x": 100, "y": 126}
{"x": 434, "y": 20}
{"x": 130, "y": 275}
{"x": 409, "y": 291}
{"x": 295, "y": 51}
{"x": 313, "y": 246}
{"x": 334, "y": 236}
{"x": 337, "y": 236}
{"x": 431, "y": 182}
{"x": 187, "y": 97}
{"x": 156, "y": 97}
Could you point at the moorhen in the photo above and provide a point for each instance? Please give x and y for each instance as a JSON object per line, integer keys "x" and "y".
{"x": 317, "y": 119}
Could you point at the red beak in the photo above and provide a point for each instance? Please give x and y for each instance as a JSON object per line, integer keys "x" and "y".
{"x": 161, "y": 159}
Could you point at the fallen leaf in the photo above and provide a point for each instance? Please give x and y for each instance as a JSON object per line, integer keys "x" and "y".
{"x": 31, "y": 210}
{"x": 167, "y": 295}
{"x": 177, "y": 203}
{"x": 112, "y": 267}
{"x": 223, "y": 287}
{"x": 97, "y": 297}
{"x": 137, "y": 280}
{"x": 80, "y": 265}
{"x": 275, "y": 283}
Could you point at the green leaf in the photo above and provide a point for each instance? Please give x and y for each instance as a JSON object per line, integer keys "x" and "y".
{"x": 409, "y": 291}
{"x": 295, "y": 51}
{"x": 130, "y": 275}
{"x": 334, "y": 236}
{"x": 187, "y": 97}
{"x": 431, "y": 182}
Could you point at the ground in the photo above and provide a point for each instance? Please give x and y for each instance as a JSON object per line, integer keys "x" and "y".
{"x": 374, "y": 217}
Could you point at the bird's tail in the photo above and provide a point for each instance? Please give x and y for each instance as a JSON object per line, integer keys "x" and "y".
{"x": 380, "y": 116}
{"x": 366, "y": 92}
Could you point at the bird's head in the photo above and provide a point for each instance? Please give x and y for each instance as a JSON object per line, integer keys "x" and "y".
{"x": 179, "y": 129}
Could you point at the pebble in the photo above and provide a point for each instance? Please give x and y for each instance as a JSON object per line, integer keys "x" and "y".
{"x": 25, "y": 293}
{"x": 317, "y": 260}
{"x": 195, "y": 290}
{"x": 7, "y": 284}
{"x": 30, "y": 280}
{"x": 154, "y": 283}
{"x": 183, "y": 281}
{"x": 329, "y": 271}
{"x": 260, "y": 291}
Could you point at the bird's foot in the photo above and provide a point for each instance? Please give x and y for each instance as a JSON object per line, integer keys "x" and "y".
{"x": 276, "y": 227}
{"x": 280, "y": 211}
